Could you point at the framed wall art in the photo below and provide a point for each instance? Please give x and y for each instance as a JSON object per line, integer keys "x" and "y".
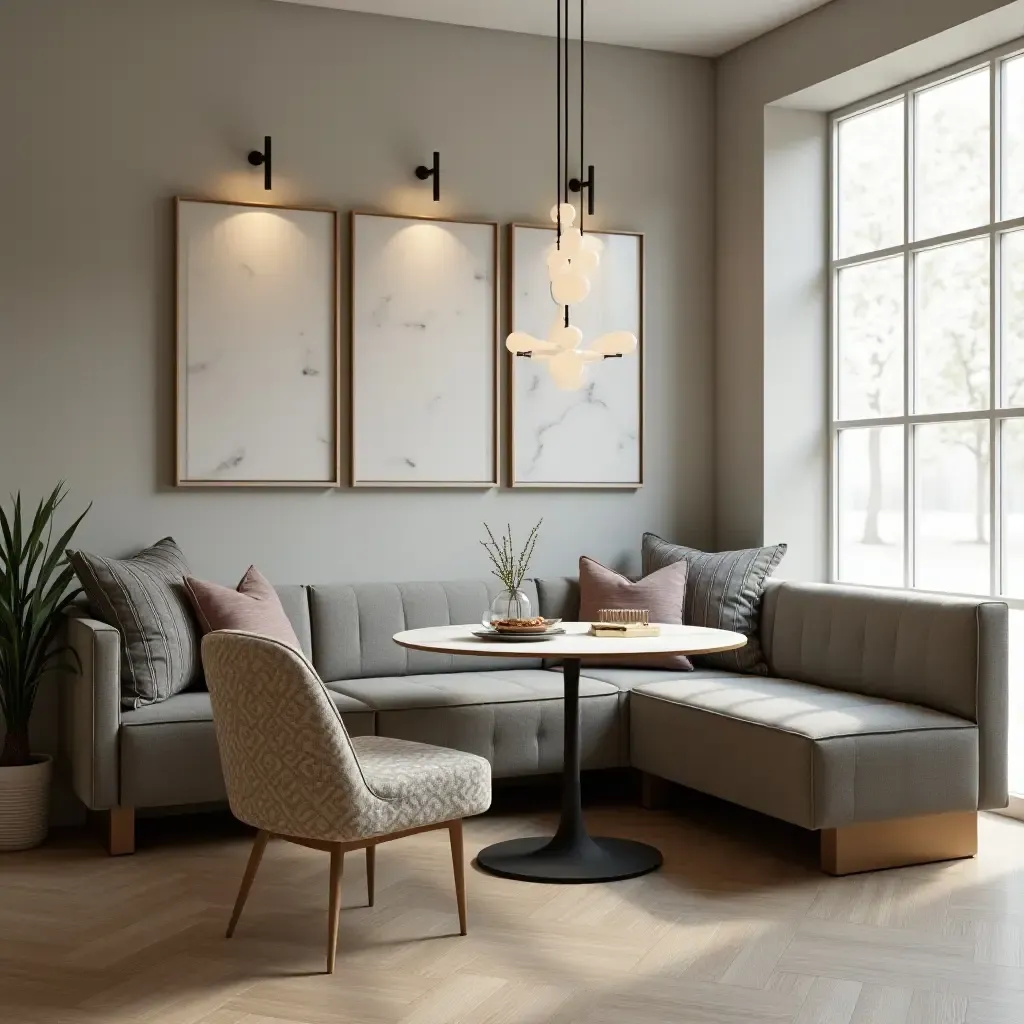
{"x": 257, "y": 345}
{"x": 593, "y": 436}
{"x": 424, "y": 357}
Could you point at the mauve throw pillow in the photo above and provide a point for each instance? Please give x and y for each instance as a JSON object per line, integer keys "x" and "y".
{"x": 253, "y": 606}
{"x": 662, "y": 593}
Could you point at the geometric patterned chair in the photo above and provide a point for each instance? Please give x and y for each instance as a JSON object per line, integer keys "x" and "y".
{"x": 293, "y": 773}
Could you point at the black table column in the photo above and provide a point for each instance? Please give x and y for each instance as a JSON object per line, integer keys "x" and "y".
{"x": 571, "y": 855}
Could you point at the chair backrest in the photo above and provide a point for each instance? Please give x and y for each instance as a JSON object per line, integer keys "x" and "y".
{"x": 288, "y": 763}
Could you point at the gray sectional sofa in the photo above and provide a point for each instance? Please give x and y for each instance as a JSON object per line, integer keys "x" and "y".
{"x": 882, "y": 723}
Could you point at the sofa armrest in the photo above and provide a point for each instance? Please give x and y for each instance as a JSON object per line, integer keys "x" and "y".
{"x": 943, "y": 652}
{"x": 93, "y": 712}
{"x": 993, "y": 714}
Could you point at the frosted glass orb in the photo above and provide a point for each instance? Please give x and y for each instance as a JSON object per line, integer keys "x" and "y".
{"x": 617, "y": 343}
{"x": 593, "y": 243}
{"x": 569, "y": 288}
{"x": 567, "y": 370}
{"x": 568, "y": 214}
{"x": 572, "y": 241}
{"x": 520, "y": 341}
{"x": 586, "y": 260}
{"x": 565, "y": 337}
{"x": 558, "y": 262}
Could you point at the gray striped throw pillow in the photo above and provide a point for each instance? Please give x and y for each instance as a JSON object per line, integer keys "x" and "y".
{"x": 723, "y": 590}
{"x": 144, "y": 597}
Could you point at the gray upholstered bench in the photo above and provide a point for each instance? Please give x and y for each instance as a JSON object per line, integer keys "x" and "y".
{"x": 883, "y": 724}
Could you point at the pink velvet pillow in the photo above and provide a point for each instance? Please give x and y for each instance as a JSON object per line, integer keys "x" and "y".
{"x": 253, "y": 606}
{"x": 661, "y": 593}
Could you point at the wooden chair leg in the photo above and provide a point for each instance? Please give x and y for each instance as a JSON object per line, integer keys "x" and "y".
{"x": 258, "y": 846}
{"x": 120, "y": 831}
{"x": 455, "y": 835}
{"x": 371, "y": 873}
{"x": 337, "y": 865}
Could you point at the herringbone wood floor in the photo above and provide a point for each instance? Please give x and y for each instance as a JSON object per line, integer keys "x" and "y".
{"x": 738, "y": 928}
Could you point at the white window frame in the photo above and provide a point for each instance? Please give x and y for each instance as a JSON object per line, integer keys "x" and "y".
{"x": 993, "y": 230}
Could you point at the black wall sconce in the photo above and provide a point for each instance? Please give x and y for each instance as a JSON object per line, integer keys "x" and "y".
{"x": 423, "y": 172}
{"x": 257, "y": 159}
{"x": 575, "y": 185}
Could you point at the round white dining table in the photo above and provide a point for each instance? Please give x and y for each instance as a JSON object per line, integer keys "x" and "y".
{"x": 571, "y": 854}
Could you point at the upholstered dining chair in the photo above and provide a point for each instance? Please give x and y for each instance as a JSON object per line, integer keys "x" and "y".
{"x": 293, "y": 772}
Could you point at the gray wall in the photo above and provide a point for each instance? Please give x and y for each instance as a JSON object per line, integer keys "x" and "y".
{"x": 771, "y": 342}
{"x": 111, "y": 107}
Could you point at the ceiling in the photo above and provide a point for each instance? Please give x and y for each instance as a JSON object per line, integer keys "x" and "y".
{"x": 705, "y": 28}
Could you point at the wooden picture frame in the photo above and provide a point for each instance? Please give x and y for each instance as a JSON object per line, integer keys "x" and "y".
{"x": 425, "y": 297}
{"x": 257, "y": 345}
{"x": 625, "y": 424}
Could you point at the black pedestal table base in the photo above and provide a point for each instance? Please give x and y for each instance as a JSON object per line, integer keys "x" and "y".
{"x": 571, "y": 855}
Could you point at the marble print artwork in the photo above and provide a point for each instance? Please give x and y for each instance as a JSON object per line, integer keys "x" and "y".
{"x": 423, "y": 352}
{"x": 257, "y": 364}
{"x": 590, "y": 436}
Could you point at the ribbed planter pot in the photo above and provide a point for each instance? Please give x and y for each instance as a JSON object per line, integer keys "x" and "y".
{"x": 25, "y": 804}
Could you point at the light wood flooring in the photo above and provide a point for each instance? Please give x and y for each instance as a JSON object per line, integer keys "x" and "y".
{"x": 738, "y": 928}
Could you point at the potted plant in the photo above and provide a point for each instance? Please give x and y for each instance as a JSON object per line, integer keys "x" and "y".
{"x": 510, "y": 568}
{"x": 35, "y": 591}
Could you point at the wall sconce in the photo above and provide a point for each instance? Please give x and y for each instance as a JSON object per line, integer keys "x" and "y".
{"x": 575, "y": 185}
{"x": 256, "y": 158}
{"x": 423, "y": 172}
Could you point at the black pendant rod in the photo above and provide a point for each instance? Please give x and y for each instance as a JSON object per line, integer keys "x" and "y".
{"x": 558, "y": 121}
{"x": 583, "y": 92}
{"x": 565, "y": 43}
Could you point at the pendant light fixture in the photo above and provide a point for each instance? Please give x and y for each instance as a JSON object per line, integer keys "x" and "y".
{"x": 575, "y": 256}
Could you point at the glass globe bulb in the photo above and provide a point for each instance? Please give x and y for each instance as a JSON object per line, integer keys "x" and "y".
{"x": 567, "y": 370}
{"x": 569, "y": 288}
{"x": 558, "y": 262}
{"x": 617, "y": 343}
{"x": 586, "y": 260}
{"x": 572, "y": 241}
{"x": 568, "y": 214}
{"x": 565, "y": 337}
{"x": 520, "y": 341}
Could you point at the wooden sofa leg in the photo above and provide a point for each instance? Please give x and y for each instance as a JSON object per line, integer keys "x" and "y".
{"x": 874, "y": 845}
{"x": 654, "y": 791}
{"x": 120, "y": 831}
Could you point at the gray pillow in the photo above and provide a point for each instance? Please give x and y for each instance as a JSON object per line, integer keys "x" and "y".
{"x": 723, "y": 590}
{"x": 144, "y": 597}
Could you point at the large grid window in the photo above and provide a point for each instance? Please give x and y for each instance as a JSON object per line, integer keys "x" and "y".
{"x": 927, "y": 321}
{"x": 927, "y": 327}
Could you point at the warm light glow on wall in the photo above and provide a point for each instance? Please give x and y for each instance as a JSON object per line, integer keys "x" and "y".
{"x": 263, "y": 239}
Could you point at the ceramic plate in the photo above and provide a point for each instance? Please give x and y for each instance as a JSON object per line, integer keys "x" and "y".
{"x": 494, "y": 636}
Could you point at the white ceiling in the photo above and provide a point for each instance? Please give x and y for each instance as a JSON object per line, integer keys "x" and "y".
{"x": 706, "y": 28}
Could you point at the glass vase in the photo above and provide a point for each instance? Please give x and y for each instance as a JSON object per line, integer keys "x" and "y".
{"x": 509, "y": 604}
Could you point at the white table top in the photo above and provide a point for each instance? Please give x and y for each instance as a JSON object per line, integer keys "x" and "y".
{"x": 576, "y": 643}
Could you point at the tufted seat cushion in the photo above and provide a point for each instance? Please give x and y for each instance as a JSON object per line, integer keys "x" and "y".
{"x": 817, "y": 757}
{"x": 168, "y": 751}
{"x": 421, "y": 784}
{"x": 455, "y": 689}
{"x": 514, "y": 717}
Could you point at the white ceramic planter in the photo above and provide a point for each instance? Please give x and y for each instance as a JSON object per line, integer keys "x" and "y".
{"x": 25, "y": 804}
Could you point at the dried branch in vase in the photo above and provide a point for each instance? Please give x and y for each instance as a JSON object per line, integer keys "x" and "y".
{"x": 509, "y": 566}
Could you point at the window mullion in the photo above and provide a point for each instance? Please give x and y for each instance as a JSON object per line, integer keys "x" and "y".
{"x": 995, "y": 330}
{"x": 909, "y": 497}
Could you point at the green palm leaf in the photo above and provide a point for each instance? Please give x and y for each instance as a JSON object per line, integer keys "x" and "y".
{"x": 36, "y": 587}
